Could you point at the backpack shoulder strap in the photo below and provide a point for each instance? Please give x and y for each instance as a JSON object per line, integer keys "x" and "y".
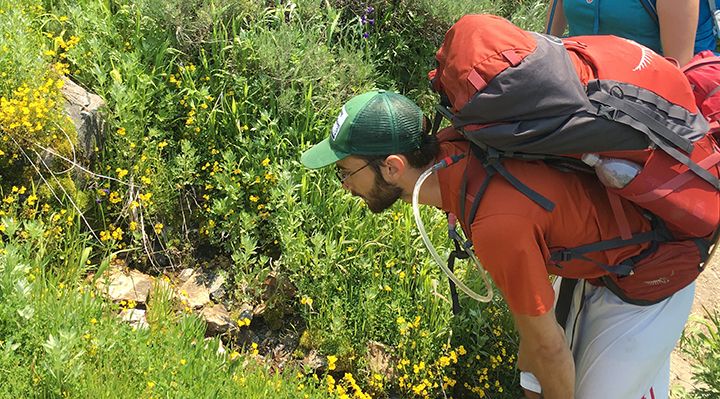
{"x": 553, "y": 7}
{"x": 649, "y": 7}
{"x": 700, "y": 62}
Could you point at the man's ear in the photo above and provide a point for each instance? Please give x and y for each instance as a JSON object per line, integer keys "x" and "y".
{"x": 394, "y": 167}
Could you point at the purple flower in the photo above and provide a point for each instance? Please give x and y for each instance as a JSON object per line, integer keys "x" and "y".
{"x": 369, "y": 10}
{"x": 366, "y": 35}
{"x": 371, "y": 22}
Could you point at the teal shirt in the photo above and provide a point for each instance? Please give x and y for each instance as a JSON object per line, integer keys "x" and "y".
{"x": 628, "y": 18}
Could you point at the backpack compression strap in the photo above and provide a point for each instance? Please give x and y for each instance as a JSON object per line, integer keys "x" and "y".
{"x": 657, "y": 132}
{"x": 658, "y": 234}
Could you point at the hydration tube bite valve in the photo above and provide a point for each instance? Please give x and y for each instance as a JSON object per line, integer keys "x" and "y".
{"x": 444, "y": 163}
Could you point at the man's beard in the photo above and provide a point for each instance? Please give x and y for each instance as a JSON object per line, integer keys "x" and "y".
{"x": 382, "y": 195}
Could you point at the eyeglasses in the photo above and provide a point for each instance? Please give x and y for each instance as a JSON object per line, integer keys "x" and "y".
{"x": 342, "y": 175}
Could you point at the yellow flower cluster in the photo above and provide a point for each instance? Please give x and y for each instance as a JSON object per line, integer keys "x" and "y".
{"x": 347, "y": 387}
{"x": 129, "y": 304}
{"x": 114, "y": 233}
{"x": 62, "y": 46}
{"x": 419, "y": 379}
{"x": 29, "y": 110}
{"x": 306, "y": 300}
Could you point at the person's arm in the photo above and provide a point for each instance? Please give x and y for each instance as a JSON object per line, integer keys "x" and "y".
{"x": 543, "y": 352}
{"x": 559, "y": 23}
{"x": 512, "y": 249}
{"x": 678, "y": 21}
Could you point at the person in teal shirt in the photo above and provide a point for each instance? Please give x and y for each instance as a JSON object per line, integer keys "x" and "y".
{"x": 681, "y": 23}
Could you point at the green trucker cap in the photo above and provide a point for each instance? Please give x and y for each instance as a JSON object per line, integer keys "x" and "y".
{"x": 374, "y": 123}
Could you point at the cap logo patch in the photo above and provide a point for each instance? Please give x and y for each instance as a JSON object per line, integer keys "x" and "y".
{"x": 338, "y": 123}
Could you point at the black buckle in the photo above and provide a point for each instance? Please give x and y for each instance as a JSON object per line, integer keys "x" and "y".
{"x": 565, "y": 255}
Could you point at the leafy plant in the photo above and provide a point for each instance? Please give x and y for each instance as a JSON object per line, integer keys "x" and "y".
{"x": 703, "y": 344}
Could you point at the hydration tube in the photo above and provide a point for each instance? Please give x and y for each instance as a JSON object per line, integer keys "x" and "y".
{"x": 421, "y": 227}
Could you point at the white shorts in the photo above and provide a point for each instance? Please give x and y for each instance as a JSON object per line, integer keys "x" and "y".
{"x": 621, "y": 351}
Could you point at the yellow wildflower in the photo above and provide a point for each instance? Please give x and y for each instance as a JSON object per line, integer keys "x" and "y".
{"x": 117, "y": 234}
{"x": 114, "y": 197}
{"x": 331, "y": 362}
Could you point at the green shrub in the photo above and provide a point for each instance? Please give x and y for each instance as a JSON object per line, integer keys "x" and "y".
{"x": 703, "y": 344}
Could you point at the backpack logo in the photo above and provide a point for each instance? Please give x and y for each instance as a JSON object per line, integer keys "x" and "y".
{"x": 551, "y": 39}
{"x": 659, "y": 281}
{"x": 338, "y": 123}
{"x": 645, "y": 57}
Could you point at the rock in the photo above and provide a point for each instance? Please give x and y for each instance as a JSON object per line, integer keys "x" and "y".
{"x": 135, "y": 317}
{"x": 313, "y": 361}
{"x": 130, "y": 286}
{"x": 185, "y": 274}
{"x": 83, "y": 109}
{"x": 217, "y": 295}
{"x": 193, "y": 292}
{"x": 199, "y": 287}
{"x": 378, "y": 359}
{"x": 216, "y": 286}
{"x": 246, "y": 311}
{"x": 218, "y": 319}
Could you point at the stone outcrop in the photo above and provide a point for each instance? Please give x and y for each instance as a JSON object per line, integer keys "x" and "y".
{"x": 218, "y": 319}
{"x": 83, "y": 108}
{"x": 132, "y": 285}
{"x": 190, "y": 289}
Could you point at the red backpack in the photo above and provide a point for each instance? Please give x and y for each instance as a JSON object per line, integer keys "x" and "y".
{"x": 520, "y": 94}
{"x": 703, "y": 72}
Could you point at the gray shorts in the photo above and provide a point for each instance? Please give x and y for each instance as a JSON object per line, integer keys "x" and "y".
{"x": 621, "y": 351}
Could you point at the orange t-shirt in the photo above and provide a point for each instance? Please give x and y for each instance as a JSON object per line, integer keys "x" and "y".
{"x": 513, "y": 236}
